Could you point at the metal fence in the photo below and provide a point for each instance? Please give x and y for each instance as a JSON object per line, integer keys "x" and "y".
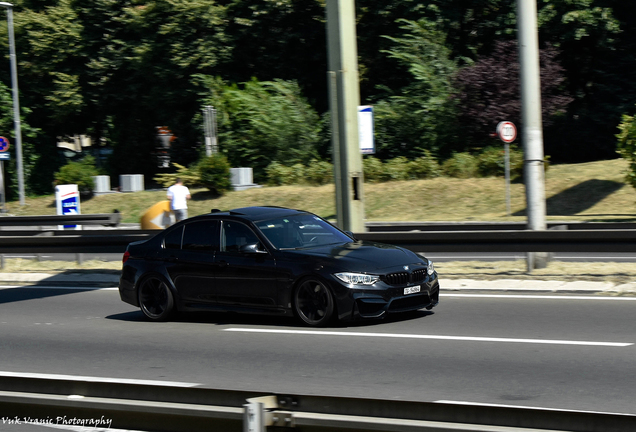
{"x": 115, "y": 241}
{"x": 182, "y": 408}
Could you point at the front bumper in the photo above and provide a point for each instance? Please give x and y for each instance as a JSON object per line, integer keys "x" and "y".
{"x": 379, "y": 303}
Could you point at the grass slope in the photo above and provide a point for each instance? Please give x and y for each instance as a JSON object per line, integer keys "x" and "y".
{"x": 589, "y": 191}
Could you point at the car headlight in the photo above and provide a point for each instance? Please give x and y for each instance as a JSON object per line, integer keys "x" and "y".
{"x": 357, "y": 278}
{"x": 431, "y": 268}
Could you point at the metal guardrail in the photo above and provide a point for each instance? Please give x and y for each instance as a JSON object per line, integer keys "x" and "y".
{"x": 509, "y": 241}
{"x": 115, "y": 241}
{"x": 492, "y": 226}
{"x": 106, "y": 219}
{"x": 176, "y": 408}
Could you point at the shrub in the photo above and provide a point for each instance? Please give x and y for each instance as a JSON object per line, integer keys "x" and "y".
{"x": 214, "y": 173}
{"x": 424, "y": 167}
{"x": 397, "y": 168}
{"x": 319, "y": 172}
{"x": 627, "y": 146}
{"x": 490, "y": 162}
{"x": 461, "y": 165}
{"x": 516, "y": 163}
{"x": 374, "y": 170}
{"x": 279, "y": 174}
{"x": 80, "y": 173}
{"x": 189, "y": 176}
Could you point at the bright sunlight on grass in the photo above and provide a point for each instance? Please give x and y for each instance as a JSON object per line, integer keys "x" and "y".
{"x": 593, "y": 191}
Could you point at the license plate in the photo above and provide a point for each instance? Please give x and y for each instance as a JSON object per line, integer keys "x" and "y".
{"x": 411, "y": 290}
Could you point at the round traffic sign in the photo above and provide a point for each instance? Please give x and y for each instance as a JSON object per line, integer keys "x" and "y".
{"x": 507, "y": 131}
{"x": 4, "y": 144}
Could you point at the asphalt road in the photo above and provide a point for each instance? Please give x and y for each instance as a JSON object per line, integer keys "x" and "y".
{"x": 553, "y": 352}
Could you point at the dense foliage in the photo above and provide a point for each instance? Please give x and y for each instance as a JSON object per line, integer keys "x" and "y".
{"x": 80, "y": 173}
{"x": 214, "y": 173}
{"x": 439, "y": 73}
{"x": 263, "y": 122}
{"x": 490, "y": 91}
{"x": 627, "y": 145}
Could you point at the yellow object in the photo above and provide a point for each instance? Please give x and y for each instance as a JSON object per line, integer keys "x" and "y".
{"x": 158, "y": 216}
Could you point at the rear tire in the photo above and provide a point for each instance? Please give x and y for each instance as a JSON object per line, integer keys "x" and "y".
{"x": 155, "y": 299}
{"x": 313, "y": 303}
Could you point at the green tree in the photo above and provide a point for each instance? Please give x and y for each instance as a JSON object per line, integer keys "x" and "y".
{"x": 116, "y": 69}
{"x": 144, "y": 54}
{"x": 262, "y": 122}
{"x": 279, "y": 39}
{"x": 30, "y": 157}
{"x": 589, "y": 36}
{"x": 415, "y": 118}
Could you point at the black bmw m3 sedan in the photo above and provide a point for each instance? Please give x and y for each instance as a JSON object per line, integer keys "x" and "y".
{"x": 276, "y": 261}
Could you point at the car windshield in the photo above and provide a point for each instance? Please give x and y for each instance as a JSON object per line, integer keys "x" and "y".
{"x": 301, "y": 231}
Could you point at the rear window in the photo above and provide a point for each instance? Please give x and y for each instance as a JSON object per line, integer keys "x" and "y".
{"x": 172, "y": 240}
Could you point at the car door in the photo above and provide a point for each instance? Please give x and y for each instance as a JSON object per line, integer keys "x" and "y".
{"x": 193, "y": 269}
{"x": 244, "y": 279}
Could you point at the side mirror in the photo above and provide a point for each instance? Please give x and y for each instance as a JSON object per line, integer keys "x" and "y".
{"x": 252, "y": 248}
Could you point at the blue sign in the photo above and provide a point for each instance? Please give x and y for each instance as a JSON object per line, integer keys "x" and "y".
{"x": 67, "y": 200}
{"x": 4, "y": 144}
{"x": 5, "y": 156}
{"x": 365, "y": 129}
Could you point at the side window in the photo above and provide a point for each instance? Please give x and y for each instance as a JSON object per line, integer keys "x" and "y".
{"x": 234, "y": 235}
{"x": 201, "y": 236}
{"x": 172, "y": 240}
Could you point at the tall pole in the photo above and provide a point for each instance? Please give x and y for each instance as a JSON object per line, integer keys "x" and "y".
{"x": 344, "y": 101}
{"x": 532, "y": 128}
{"x": 16, "y": 101}
{"x": 207, "y": 122}
{"x": 210, "y": 129}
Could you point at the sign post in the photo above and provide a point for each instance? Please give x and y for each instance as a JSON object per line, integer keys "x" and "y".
{"x": 507, "y": 132}
{"x": 4, "y": 155}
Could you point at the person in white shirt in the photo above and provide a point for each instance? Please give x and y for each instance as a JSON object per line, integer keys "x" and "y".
{"x": 178, "y": 194}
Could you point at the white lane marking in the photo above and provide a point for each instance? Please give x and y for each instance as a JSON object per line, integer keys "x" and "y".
{"x": 416, "y": 336}
{"x": 71, "y": 288}
{"x": 542, "y": 297}
{"x": 528, "y": 407}
{"x": 96, "y": 379}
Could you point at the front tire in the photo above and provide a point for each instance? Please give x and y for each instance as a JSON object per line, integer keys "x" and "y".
{"x": 313, "y": 303}
{"x": 155, "y": 299}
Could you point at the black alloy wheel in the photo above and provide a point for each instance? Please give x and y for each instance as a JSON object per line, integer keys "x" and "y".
{"x": 155, "y": 299}
{"x": 313, "y": 303}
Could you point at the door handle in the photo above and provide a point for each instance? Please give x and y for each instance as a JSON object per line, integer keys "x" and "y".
{"x": 221, "y": 264}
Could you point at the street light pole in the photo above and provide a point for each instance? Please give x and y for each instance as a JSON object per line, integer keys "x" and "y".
{"x": 344, "y": 91}
{"x": 534, "y": 171}
{"x": 16, "y": 101}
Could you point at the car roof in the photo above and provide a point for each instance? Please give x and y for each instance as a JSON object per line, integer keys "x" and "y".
{"x": 258, "y": 213}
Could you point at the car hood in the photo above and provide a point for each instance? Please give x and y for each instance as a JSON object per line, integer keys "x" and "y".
{"x": 361, "y": 256}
